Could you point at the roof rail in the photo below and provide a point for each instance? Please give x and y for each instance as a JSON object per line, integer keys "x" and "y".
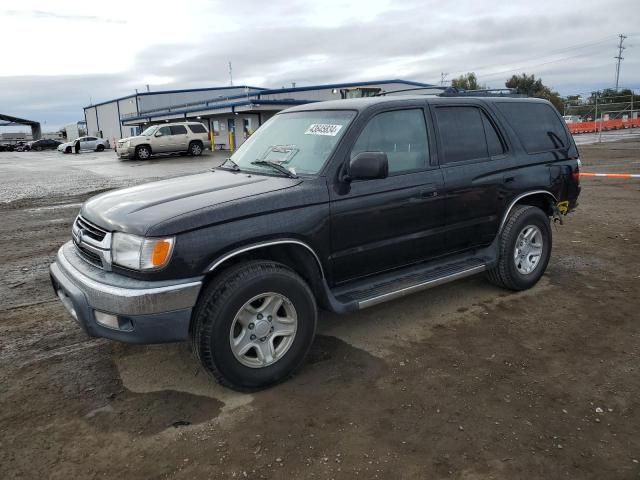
{"x": 458, "y": 92}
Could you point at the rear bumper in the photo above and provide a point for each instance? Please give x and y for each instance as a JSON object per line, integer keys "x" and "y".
{"x": 145, "y": 312}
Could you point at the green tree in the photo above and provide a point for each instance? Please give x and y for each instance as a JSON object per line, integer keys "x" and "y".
{"x": 529, "y": 85}
{"x": 468, "y": 81}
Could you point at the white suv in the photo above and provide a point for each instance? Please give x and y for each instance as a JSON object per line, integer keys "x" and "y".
{"x": 187, "y": 137}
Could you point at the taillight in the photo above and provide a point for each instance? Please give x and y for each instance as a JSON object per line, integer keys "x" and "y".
{"x": 576, "y": 172}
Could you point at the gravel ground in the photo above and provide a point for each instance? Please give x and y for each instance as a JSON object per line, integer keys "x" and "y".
{"x": 466, "y": 381}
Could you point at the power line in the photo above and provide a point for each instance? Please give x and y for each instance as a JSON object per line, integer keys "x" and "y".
{"x": 522, "y": 67}
{"x": 619, "y": 58}
{"x": 550, "y": 53}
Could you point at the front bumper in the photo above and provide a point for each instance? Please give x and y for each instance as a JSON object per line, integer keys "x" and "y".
{"x": 125, "y": 152}
{"x": 146, "y": 312}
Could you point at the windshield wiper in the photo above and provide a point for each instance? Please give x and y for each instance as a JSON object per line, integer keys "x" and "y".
{"x": 232, "y": 165}
{"x": 276, "y": 166}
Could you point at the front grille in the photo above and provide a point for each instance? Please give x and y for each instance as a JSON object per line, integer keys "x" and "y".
{"x": 92, "y": 243}
{"x": 89, "y": 256}
{"x": 89, "y": 229}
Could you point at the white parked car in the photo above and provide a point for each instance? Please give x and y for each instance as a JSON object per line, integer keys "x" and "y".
{"x": 86, "y": 143}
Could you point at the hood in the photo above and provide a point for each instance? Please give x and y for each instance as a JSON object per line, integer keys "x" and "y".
{"x": 125, "y": 139}
{"x": 138, "y": 209}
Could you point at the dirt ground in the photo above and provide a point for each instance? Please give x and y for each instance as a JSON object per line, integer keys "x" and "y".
{"x": 466, "y": 381}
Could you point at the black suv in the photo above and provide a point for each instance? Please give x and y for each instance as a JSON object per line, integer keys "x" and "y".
{"x": 340, "y": 205}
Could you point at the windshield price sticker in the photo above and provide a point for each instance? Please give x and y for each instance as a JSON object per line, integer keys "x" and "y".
{"x": 323, "y": 129}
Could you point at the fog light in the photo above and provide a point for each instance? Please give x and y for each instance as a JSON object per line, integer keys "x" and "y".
{"x": 107, "y": 320}
{"x": 113, "y": 321}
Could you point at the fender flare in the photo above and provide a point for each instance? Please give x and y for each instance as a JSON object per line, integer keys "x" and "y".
{"x": 270, "y": 243}
{"x": 520, "y": 197}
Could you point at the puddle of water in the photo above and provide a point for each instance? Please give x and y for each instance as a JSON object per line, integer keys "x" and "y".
{"x": 54, "y": 207}
{"x": 172, "y": 368}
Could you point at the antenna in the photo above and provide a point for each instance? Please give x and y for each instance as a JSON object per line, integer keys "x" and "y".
{"x": 619, "y": 58}
{"x": 230, "y": 74}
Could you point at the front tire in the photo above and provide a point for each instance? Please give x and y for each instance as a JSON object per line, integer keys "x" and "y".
{"x": 143, "y": 152}
{"x": 100, "y": 148}
{"x": 254, "y": 325}
{"x": 524, "y": 249}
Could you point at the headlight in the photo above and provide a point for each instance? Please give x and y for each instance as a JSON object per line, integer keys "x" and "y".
{"x": 139, "y": 253}
{"x": 127, "y": 144}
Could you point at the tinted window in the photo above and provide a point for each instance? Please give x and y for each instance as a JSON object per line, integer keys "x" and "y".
{"x": 178, "y": 130}
{"x": 197, "y": 128}
{"x": 494, "y": 143}
{"x": 461, "y": 134}
{"x": 90, "y": 139}
{"x": 401, "y": 134}
{"x": 537, "y": 125}
{"x": 165, "y": 130}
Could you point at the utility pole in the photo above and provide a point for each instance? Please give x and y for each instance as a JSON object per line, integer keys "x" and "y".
{"x": 443, "y": 78}
{"x": 619, "y": 58}
{"x": 230, "y": 75}
{"x": 595, "y": 116}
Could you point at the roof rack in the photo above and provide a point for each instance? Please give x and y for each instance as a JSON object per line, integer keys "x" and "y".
{"x": 458, "y": 92}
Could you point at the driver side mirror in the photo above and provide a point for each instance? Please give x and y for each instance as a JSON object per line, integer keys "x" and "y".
{"x": 367, "y": 166}
{"x": 158, "y": 134}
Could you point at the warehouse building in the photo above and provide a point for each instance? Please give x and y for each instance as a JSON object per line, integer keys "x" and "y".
{"x": 231, "y": 113}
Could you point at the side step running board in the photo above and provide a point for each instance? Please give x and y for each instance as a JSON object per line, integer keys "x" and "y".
{"x": 423, "y": 285}
{"x": 370, "y": 291}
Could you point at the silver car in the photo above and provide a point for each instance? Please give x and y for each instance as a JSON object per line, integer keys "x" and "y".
{"x": 86, "y": 143}
{"x": 182, "y": 137}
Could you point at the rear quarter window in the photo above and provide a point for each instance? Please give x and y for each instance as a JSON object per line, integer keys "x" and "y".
{"x": 197, "y": 128}
{"x": 178, "y": 130}
{"x": 537, "y": 125}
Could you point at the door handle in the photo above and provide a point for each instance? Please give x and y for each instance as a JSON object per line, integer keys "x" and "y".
{"x": 509, "y": 179}
{"x": 429, "y": 193}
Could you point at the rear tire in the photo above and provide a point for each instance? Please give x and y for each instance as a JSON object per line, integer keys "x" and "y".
{"x": 143, "y": 152}
{"x": 524, "y": 249}
{"x": 230, "y": 334}
{"x": 195, "y": 149}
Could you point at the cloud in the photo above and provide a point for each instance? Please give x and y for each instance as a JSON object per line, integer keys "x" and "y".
{"x": 569, "y": 44}
{"x": 58, "y": 16}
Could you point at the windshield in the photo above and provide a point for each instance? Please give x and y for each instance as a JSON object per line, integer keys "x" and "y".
{"x": 301, "y": 142}
{"x": 149, "y": 131}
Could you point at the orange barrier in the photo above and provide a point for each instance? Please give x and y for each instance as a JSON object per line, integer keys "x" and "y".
{"x": 594, "y": 127}
{"x": 610, "y": 175}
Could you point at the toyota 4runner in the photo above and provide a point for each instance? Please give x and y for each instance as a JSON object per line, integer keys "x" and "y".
{"x": 338, "y": 205}
{"x": 183, "y": 137}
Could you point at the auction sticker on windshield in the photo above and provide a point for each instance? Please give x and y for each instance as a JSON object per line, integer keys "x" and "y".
{"x": 323, "y": 129}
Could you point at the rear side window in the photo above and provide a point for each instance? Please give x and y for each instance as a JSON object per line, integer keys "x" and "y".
{"x": 494, "y": 143}
{"x": 197, "y": 128}
{"x": 401, "y": 134}
{"x": 537, "y": 125}
{"x": 466, "y": 134}
{"x": 178, "y": 130}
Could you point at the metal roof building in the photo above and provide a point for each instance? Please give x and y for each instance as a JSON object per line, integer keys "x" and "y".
{"x": 231, "y": 113}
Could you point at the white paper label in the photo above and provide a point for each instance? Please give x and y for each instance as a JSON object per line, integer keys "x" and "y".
{"x": 323, "y": 129}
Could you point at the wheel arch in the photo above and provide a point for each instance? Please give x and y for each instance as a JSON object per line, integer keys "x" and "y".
{"x": 543, "y": 199}
{"x": 295, "y": 254}
{"x": 148, "y": 145}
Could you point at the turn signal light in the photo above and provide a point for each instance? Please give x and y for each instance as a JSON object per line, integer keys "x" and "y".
{"x": 161, "y": 253}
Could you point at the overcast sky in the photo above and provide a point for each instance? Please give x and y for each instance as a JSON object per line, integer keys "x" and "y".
{"x": 57, "y": 56}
